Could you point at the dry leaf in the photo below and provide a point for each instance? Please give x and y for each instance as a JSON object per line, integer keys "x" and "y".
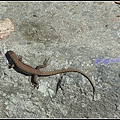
{"x": 6, "y": 26}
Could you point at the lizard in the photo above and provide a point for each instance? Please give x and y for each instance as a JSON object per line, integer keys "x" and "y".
{"x": 16, "y": 62}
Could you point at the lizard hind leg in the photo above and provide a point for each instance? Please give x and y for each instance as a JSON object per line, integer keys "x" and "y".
{"x": 34, "y": 79}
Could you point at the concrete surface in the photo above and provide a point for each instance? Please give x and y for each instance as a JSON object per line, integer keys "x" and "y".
{"x": 72, "y": 34}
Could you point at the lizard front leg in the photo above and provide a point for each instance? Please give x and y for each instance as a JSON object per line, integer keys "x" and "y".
{"x": 10, "y": 66}
{"x": 34, "y": 79}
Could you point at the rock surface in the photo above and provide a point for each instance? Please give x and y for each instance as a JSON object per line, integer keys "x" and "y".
{"x": 72, "y": 34}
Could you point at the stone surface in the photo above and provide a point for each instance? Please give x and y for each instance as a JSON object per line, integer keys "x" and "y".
{"x": 72, "y": 34}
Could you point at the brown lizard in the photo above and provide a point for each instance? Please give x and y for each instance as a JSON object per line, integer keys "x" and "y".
{"x": 16, "y": 62}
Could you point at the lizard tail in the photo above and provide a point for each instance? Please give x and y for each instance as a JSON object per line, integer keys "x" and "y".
{"x": 49, "y": 73}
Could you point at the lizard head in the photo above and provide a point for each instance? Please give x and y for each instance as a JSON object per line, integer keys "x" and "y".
{"x": 11, "y": 52}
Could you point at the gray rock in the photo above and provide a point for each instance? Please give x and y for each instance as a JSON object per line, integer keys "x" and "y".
{"x": 72, "y": 34}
